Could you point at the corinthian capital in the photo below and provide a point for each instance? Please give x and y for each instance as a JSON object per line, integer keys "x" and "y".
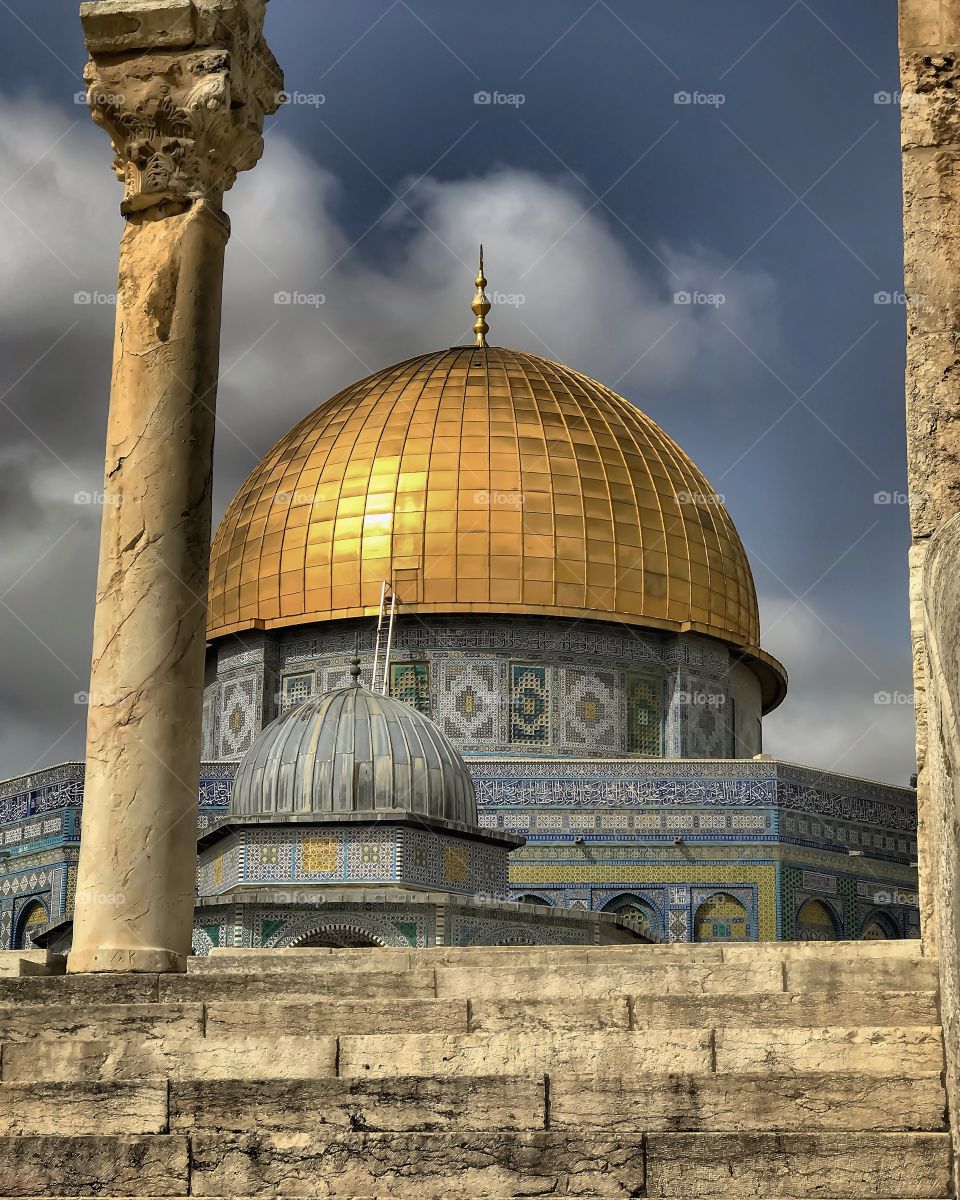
{"x": 182, "y": 88}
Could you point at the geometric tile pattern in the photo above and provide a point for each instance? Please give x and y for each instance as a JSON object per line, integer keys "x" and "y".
{"x": 294, "y": 689}
{"x": 529, "y": 705}
{"x": 469, "y": 701}
{"x": 410, "y": 682}
{"x": 588, "y": 708}
{"x": 644, "y": 734}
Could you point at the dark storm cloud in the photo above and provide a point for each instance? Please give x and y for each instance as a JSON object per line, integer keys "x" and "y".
{"x": 603, "y": 197}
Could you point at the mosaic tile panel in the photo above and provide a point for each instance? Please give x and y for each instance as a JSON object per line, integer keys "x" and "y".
{"x": 469, "y": 700}
{"x": 238, "y": 719}
{"x": 529, "y": 705}
{"x": 296, "y": 688}
{"x": 588, "y": 710}
{"x": 410, "y": 682}
{"x": 644, "y": 714}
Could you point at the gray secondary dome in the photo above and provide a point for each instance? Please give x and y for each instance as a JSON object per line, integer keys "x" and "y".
{"x": 351, "y": 751}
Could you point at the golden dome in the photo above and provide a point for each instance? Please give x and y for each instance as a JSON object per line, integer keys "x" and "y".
{"x": 484, "y": 480}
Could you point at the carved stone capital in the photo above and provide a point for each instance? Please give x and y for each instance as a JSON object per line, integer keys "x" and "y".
{"x": 182, "y": 88}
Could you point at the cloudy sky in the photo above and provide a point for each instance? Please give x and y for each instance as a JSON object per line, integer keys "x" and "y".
{"x": 743, "y": 153}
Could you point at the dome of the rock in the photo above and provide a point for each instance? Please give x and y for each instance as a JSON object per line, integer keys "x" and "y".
{"x": 484, "y": 480}
{"x": 351, "y": 752}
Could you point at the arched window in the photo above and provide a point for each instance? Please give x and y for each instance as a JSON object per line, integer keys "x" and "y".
{"x": 639, "y": 910}
{"x": 816, "y": 922}
{"x": 721, "y": 918}
{"x": 877, "y": 927}
{"x": 32, "y": 919}
{"x": 530, "y": 898}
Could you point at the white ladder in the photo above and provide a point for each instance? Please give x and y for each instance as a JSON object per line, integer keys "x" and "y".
{"x": 389, "y": 600}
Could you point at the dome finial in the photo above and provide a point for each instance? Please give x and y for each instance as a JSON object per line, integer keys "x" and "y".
{"x": 355, "y": 670}
{"x": 480, "y": 307}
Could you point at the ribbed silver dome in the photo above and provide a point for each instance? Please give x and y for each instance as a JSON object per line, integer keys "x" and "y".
{"x": 351, "y": 751}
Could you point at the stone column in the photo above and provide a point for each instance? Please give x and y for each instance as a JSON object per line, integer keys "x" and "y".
{"x": 930, "y": 120}
{"x": 182, "y": 87}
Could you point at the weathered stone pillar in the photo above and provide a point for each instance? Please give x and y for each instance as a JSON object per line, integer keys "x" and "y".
{"x": 182, "y": 87}
{"x": 930, "y": 119}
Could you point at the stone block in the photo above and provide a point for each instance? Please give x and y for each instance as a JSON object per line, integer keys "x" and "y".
{"x": 334, "y": 1017}
{"x": 907, "y": 1051}
{"x": 574, "y": 1016}
{"x": 766, "y": 1101}
{"x": 121, "y": 26}
{"x": 919, "y": 24}
{"x": 433, "y": 1166}
{"x": 172, "y": 1022}
{"x": 263, "y": 1057}
{"x": 708, "y": 1166}
{"x": 867, "y": 975}
{"x": 511, "y": 1053}
{"x": 371, "y": 1105}
{"x": 83, "y": 1108}
{"x": 799, "y": 1009}
{"x": 80, "y": 989}
{"x": 90, "y": 1166}
{"x": 363, "y": 985}
{"x": 659, "y": 977}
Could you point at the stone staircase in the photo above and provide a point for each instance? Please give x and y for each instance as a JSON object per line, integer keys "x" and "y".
{"x": 685, "y": 1072}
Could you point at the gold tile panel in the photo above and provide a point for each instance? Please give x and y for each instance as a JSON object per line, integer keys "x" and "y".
{"x": 516, "y": 484}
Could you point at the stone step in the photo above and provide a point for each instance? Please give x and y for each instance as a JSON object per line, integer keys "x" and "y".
{"x": 173, "y": 1022}
{"x": 725, "y": 1166}
{"x": 604, "y": 1103}
{"x": 758, "y": 1010}
{"x": 705, "y": 1166}
{"x": 121, "y": 1107}
{"x": 427, "y": 1166}
{"x": 360, "y": 985}
{"x": 360, "y": 1105}
{"x": 335, "y": 1017}
{"x": 42, "y": 1165}
{"x": 233, "y": 959}
{"x": 909, "y": 1050}
{"x": 81, "y": 989}
{"x": 266, "y": 1056}
{"x": 14, "y": 963}
{"x": 863, "y": 975}
{"x": 614, "y": 1052}
{"x": 661, "y": 978}
{"x": 758, "y": 1101}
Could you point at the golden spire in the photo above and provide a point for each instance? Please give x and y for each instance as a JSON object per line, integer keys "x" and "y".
{"x": 481, "y": 306}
